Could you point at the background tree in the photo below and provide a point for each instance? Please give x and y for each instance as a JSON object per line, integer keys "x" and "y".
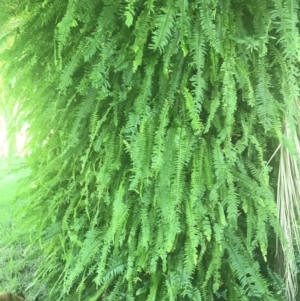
{"x": 152, "y": 129}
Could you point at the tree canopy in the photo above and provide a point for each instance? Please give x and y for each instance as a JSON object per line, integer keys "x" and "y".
{"x": 152, "y": 144}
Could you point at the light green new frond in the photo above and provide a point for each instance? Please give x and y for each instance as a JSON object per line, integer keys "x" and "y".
{"x": 129, "y": 12}
{"x": 206, "y": 228}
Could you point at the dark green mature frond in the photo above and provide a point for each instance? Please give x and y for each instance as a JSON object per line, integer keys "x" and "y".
{"x": 164, "y": 23}
{"x": 247, "y": 271}
{"x": 68, "y": 21}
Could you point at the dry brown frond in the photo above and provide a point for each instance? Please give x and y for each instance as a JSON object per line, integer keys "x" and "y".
{"x": 288, "y": 202}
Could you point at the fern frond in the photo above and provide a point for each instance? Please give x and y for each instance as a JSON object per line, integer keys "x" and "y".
{"x": 129, "y": 12}
{"x": 142, "y": 27}
{"x": 264, "y": 98}
{"x": 193, "y": 109}
{"x": 208, "y": 26}
{"x": 164, "y": 23}
{"x": 68, "y": 21}
{"x": 246, "y": 271}
{"x": 159, "y": 139}
{"x": 70, "y": 68}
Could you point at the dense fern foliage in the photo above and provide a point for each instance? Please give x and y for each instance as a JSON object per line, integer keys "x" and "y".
{"x": 151, "y": 125}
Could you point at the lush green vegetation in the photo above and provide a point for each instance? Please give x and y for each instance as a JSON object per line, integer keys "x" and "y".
{"x": 152, "y": 146}
{"x": 16, "y": 274}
